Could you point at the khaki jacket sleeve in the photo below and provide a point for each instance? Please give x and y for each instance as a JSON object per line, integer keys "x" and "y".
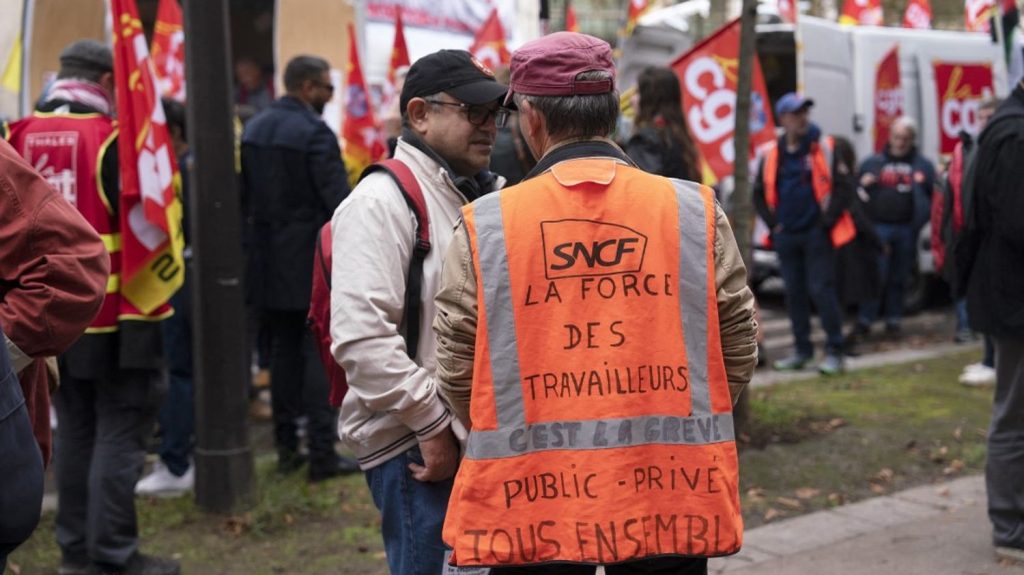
{"x": 455, "y": 325}
{"x": 736, "y": 317}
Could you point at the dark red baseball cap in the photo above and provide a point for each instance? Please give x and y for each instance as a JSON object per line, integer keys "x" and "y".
{"x": 548, "y": 66}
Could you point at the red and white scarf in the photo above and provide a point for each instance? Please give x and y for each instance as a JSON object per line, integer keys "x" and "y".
{"x": 81, "y": 92}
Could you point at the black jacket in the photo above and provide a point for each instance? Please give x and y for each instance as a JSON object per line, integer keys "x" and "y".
{"x": 293, "y": 179}
{"x": 991, "y": 254}
{"x": 652, "y": 154}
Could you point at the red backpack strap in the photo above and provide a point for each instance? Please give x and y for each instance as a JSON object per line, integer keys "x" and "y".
{"x": 413, "y": 195}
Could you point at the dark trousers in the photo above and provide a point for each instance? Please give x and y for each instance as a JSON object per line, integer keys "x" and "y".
{"x": 807, "y": 261}
{"x": 657, "y": 566}
{"x": 100, "y": 451}
{"x": 298, "y": 386}
{"x": 21, "y": 468}
{"x": 894, "y": 269}
{"x": 177, "y": 415}
{"x": 1004, "y": 469}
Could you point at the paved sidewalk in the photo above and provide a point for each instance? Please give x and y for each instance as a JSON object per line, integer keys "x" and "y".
{"x": 934, "y": 529}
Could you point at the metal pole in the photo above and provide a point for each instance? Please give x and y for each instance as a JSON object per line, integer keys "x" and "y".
{"x": 224, "y": 467}
{"x": 742, "y": 216}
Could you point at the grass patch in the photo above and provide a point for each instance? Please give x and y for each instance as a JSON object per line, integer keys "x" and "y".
{"x": 812, "y": 445}
{"x": 858, "y": 435}
{"x": 294, "y": 527}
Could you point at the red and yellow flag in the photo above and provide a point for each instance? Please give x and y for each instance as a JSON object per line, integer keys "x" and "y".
{"x": 489, "y": 44}
{"x": 571, "y": 25}
{"x": 862, "y": 13}
{"x": 151, "y": 235}
{"x": 362, "y": 138}
{"x": 918, "y": 15}
{"x": 168, "y": 50}
{"x": 636, "y": 10}
{"x": 977, "y": 14}
{"x": 399, "y": 51}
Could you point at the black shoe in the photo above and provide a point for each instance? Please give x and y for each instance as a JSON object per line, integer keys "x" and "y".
{"x": 964, "y": 336}
{"x": 893, "y": 330}
{"x": 139, "y": 564}
{"x": 340, "y": 465}
{"x": 289, "y": 461}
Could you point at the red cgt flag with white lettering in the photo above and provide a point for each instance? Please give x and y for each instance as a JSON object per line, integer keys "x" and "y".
{"x": 150, "y": 210}
{"x": 168, "y": 50}
{"x": 862, "y": 13}
{"x": 708, "y": 77}
{"x": 888, "y": 96}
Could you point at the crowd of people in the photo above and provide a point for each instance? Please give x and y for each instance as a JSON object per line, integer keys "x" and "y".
{"x": 580, "y": 316}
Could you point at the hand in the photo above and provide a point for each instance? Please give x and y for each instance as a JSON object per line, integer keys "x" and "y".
{"x": 440, "y": 458}
{"x": 867, "y": 180}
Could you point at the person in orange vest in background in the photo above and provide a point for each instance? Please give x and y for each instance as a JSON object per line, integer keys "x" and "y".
{"x": 793, "y": 194}
{"x": 594, "y": 328}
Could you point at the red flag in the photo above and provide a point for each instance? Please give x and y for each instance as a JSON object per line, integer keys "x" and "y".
{"x": 168, "y": 50}
{"x": 636, "y": 10}
{"x": 571, "y": 25}
{"x": 959, "y": 88}
{"x": 360, "y": 133}
{"x": 489, "y": 44}
{"x": 862, "y": 13}
{"x": 888, "y": 96}
{"x": 399, "y": 50}
{"x": 150, "y": 211}
{"x": 977, "y": 14}
{"x": 918, "y": 15}
{"x": 708, "y": 78}
{"x": 788, "y": 10}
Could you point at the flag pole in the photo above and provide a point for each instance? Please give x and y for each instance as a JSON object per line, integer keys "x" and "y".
{"x": 224, "y": 466}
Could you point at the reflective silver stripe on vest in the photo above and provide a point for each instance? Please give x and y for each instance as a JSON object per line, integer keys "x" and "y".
{"x": 514, "y": 436}
{"x": 601, "y": 434}
{"x": 693, "y": 291}
{"x": 501, "y": 326}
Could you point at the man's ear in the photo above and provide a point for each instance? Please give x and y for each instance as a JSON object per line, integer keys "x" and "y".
{"x": 416, "y": 112}
{"x": 107, "y": 82}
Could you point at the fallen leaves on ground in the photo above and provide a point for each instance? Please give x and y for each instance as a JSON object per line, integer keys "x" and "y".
{"x": 958, "y": 433}
{"x": 938, "y": 454}
{"x": 755, "y": 494}
{"x": 836, "y": 499}
{"x": 789, "y": 502}
{"x": 771, "y": 514}
{"x": 238, "y": 524}
{"x": 806, "y": 493}
{"x": 942, "y": 492}
{"x": 955, "y": 466}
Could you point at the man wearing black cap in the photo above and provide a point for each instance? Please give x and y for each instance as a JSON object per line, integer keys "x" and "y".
{"x": 392, "y": 416}
{"x": 111, "y": 384}
{"x": 793, "y": 194}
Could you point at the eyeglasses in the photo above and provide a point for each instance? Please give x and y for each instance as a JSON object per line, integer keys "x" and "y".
{"x": 478, "y": 115}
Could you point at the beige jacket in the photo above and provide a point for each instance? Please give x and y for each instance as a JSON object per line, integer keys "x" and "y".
{"x": 456, "y": 320}
{"x": 392, "y": 401}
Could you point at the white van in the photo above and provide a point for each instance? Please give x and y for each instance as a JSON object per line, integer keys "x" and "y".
{"x": 840, "y": 65}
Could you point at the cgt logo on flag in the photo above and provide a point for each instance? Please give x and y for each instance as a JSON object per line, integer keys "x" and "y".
{"x": 960, "y": 89}
{"x": 575, "y": 248}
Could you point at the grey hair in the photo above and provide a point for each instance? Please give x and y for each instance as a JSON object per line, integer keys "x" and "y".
{"x": 905, "y": 123}
{"x": 579, "y": 116}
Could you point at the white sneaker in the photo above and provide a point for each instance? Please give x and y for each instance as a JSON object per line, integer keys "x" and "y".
{"x": 979, "y": 377}
{"x": 975, "y": 367}
{"x": 162, "y": 483}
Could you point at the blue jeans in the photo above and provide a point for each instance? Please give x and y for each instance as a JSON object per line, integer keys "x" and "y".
{"x": 894, "y": 270}
{"x": 413, "y": 514}
{"x": 177, "y": 415}
{"x": 961, "y": 315}
{"x": 808, "y": 265}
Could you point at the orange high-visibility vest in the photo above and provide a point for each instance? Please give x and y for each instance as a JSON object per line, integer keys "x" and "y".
{"x": 602, "y": 425}
{"x": 821, "y": 156}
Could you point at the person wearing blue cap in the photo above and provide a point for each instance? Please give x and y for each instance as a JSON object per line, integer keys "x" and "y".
{"x": 794, "y": 195}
